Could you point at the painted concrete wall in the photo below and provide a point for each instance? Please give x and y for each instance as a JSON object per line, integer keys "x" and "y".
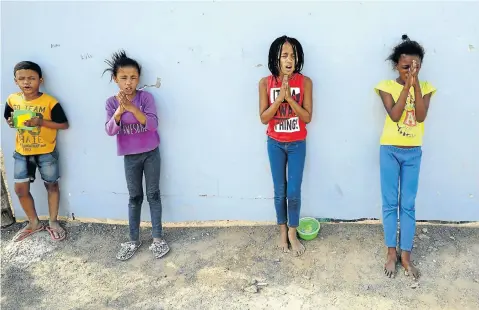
{"x": 210, "y": 57}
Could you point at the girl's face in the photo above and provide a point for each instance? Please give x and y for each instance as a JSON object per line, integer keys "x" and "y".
{"x": 404, "y": 63}
{"x": 127, "y": 79}
{"x": 287, "y": 60}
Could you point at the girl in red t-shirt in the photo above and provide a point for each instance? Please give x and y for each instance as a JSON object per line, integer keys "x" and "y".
{"x": 286, "y": 106}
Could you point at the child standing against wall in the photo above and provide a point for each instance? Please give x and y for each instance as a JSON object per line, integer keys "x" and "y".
{"x": 131, "y": 117}
{"x": 286, "y": 106}
{"x": 406, "y": 100}
{"x": 36, "y": 148}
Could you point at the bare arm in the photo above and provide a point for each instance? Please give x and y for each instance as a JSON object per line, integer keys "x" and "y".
{"x": 304, "y": 112}
{"x": 394, "y": 109}
{"x": 267, "y": 111}
{"x": 422, "y": 102}
{"x": 58, "y": 119}
{"x": 53, "y": 125}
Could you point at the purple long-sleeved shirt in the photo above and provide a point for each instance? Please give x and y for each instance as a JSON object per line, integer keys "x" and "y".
{"x": 131, "y": 136}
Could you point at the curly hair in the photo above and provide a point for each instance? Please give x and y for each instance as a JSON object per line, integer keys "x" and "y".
{"x": 406, "y": 47}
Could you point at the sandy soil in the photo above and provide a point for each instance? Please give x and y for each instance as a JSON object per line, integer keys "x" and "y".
{"x": 215, "y": 267}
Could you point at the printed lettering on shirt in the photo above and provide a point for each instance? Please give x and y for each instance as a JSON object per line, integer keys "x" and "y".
{"x": 274, "y": 93}
{"x": 288, "y": 125}
{"x": 30, "y": 140}
{"x": 132, "y": 129}
{"x": 286, "y": 119}
{"x": 410, "y": 119}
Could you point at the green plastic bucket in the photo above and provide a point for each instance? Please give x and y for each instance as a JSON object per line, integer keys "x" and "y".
{"x": 308, "y": 228}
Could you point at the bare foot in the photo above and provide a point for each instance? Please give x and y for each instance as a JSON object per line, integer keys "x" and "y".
{"x": 391, "y": 260}
{"x": 56, "y": 231}
{"x": 283, "y": 244}
{"x": 33, "y": 225}
{"x": 31, "y": 228}
{"x": 296, "y": 246}
{"x": 409, "y": 268}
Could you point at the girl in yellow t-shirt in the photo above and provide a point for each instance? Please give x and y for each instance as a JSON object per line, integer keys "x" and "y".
{"x": 406, "y": 100}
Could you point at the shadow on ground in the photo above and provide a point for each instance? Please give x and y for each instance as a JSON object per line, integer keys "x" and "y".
{"x": 215, "y": 268}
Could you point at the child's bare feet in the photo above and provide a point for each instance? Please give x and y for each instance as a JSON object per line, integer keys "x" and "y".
{"x": 31, "y": 228}
{"x": 57, "y": 233}
{"x": 391, "y": 260}
{"x": 283, "y": 244}
{"x": 296, "y": 246}
{"x": 409, "y": 268}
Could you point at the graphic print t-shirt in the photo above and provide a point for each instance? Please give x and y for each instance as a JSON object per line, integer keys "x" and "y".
{"x": 40, "y": 140}
{"x": 407, "y": 131}
{"x": 286, "y": 125}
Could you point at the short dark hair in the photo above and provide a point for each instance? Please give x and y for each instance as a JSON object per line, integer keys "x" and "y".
{"x": 406, "y": 47}
{"x": 120, "y": 60}
{"x": 27, "y": 65}
{"x": 275, "y": 51}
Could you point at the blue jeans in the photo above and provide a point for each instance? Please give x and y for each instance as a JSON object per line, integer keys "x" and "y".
{"x": 136, "y": 165}
{"x": 292, "y": 155}
{"x": 399, "y": 183}
{"x": 25, "y": 167}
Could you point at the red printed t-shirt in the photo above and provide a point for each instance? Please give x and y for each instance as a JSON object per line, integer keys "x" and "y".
{"x": 286, "y": 126}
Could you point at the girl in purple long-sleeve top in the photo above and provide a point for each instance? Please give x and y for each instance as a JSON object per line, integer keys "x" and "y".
{"x": 131, "y": 117}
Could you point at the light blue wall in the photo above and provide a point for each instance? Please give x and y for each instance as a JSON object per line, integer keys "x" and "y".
{"x": 210, "y": 57}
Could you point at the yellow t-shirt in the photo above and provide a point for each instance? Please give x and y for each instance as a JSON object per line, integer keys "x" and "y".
{"x": 408, "y": 131}
{"x": 40, "y": 140}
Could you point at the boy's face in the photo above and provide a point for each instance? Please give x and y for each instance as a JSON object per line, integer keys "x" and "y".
{"x": 28, "y": 80}
{"x": 127, "y": 79}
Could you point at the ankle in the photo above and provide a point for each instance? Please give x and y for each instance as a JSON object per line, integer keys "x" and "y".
{"x": 405, "y": 255}
{"x": 34, "y": 222}
{"x": 392, "y": 251}
{"x": 292, "y": 233}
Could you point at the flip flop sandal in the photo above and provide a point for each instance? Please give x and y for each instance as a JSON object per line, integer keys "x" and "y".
{"x": 159, "y": 248}
{"x": 52, "y": 235}
{"x": 22, "y": 234}
{"x": 127, "y": 250}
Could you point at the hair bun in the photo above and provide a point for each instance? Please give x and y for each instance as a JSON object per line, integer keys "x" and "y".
{"x": 405, "y": 37}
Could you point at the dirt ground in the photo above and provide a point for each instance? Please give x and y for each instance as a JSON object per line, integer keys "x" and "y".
{"x": 215, "y": 267}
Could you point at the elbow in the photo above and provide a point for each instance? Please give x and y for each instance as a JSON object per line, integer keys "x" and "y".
{"x": 395, "y": 118}
{"x": 421, "y": 116}
{"x": 263, "y": 119}
{"x": 420, "y": 119}
{"x": 151, "y": 125}
{"x": 65, "y": 126}
{"x": 109, "y": 131}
